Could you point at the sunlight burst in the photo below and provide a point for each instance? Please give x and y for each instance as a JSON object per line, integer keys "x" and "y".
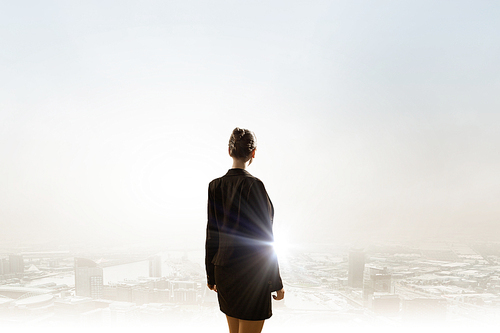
{"x": 280, "y": 248}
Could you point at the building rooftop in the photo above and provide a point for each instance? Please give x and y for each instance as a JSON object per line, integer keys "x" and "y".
{"x": 34, "y": 300}
{"x": 23, "y": 290}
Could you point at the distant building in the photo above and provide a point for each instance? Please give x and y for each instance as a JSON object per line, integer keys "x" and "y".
{"x": 376, "y": 280}
{"x": 184, "y": 291}
{"x": 142, "y": 291}
{"x": 164, "y": 296}
{"x": 143, "y": 296}
{"x": 162, "y": 284}
{"x": 356, "y": 268}
{"x": 186, "y": 296}
{"x": 88, "y": 278}
{"x": 53, "y": 263}
{"x": 34, "y": 306}
{"x": 155, "y": 266}
{"x": 16, "y": 264}
{"x": 4, "y": 266}
{"x": 124, "y": 293}
{"x": 110, "y": 292}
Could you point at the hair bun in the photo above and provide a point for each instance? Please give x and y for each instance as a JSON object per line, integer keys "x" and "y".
{"x": 238, "y": 133}
{"x": 241, "y": 143}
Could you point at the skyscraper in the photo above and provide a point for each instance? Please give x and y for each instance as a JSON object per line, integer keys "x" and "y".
{"x": 16, "y": 264}
{"x": 356, "y": 268}
{"x": 155, "y": 266}
{"x": 4, "y": 266}
{"x": 88, "y": 278}
{"x": 376, "y": 279}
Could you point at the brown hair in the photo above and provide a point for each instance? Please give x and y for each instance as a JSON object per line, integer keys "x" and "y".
{"x": 241, "y": 143}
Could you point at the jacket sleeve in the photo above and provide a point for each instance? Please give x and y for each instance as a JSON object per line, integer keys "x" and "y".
{"x": 275, "y": 280}
{"x": 212, "y": 239}
{"x": 265, "y": 214}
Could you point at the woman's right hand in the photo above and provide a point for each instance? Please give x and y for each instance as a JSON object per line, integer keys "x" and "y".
{"x": 212, "y": 287}
{"x": 280, "y": 294}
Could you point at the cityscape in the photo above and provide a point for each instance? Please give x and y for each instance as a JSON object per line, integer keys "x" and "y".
{"x": 439, "y": 283}
{"x": 378, "y": 141}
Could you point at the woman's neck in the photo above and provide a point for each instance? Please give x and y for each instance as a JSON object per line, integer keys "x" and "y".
{"x": 239, "y": 164}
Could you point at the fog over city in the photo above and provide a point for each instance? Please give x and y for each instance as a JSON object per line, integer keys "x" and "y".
{"x": 377, "y": 121}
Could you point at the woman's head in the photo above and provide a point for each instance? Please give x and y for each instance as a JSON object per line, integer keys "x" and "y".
{"x": 242, "y": 143}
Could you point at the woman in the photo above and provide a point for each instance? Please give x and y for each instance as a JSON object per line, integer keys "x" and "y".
{"x": 240, "y": 261}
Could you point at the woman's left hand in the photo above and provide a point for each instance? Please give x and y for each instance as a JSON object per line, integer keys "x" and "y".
{"x": 280, "y": 294}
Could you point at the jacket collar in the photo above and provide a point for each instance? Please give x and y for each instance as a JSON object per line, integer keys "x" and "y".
{"x": 236, "y": 171}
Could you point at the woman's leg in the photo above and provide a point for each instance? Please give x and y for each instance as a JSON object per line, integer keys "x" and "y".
{"x": 244, "y": 326}
{"x": 250, "y": 326}
{"x": 233, "y": 324}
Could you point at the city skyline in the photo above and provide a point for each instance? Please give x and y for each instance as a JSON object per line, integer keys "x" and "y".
{"x": 447, "y": 284}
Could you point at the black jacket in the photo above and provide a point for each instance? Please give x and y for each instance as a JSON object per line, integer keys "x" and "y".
{"x": 239, "y": 228}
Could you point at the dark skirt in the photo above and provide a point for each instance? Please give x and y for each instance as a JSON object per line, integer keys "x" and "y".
{"x": 243, "y": 291}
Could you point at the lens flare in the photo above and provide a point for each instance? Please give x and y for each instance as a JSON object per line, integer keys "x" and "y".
{"x": 280, "y": 248}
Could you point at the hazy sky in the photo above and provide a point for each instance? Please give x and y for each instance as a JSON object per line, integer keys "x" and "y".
{"x": 375, "y": 119}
